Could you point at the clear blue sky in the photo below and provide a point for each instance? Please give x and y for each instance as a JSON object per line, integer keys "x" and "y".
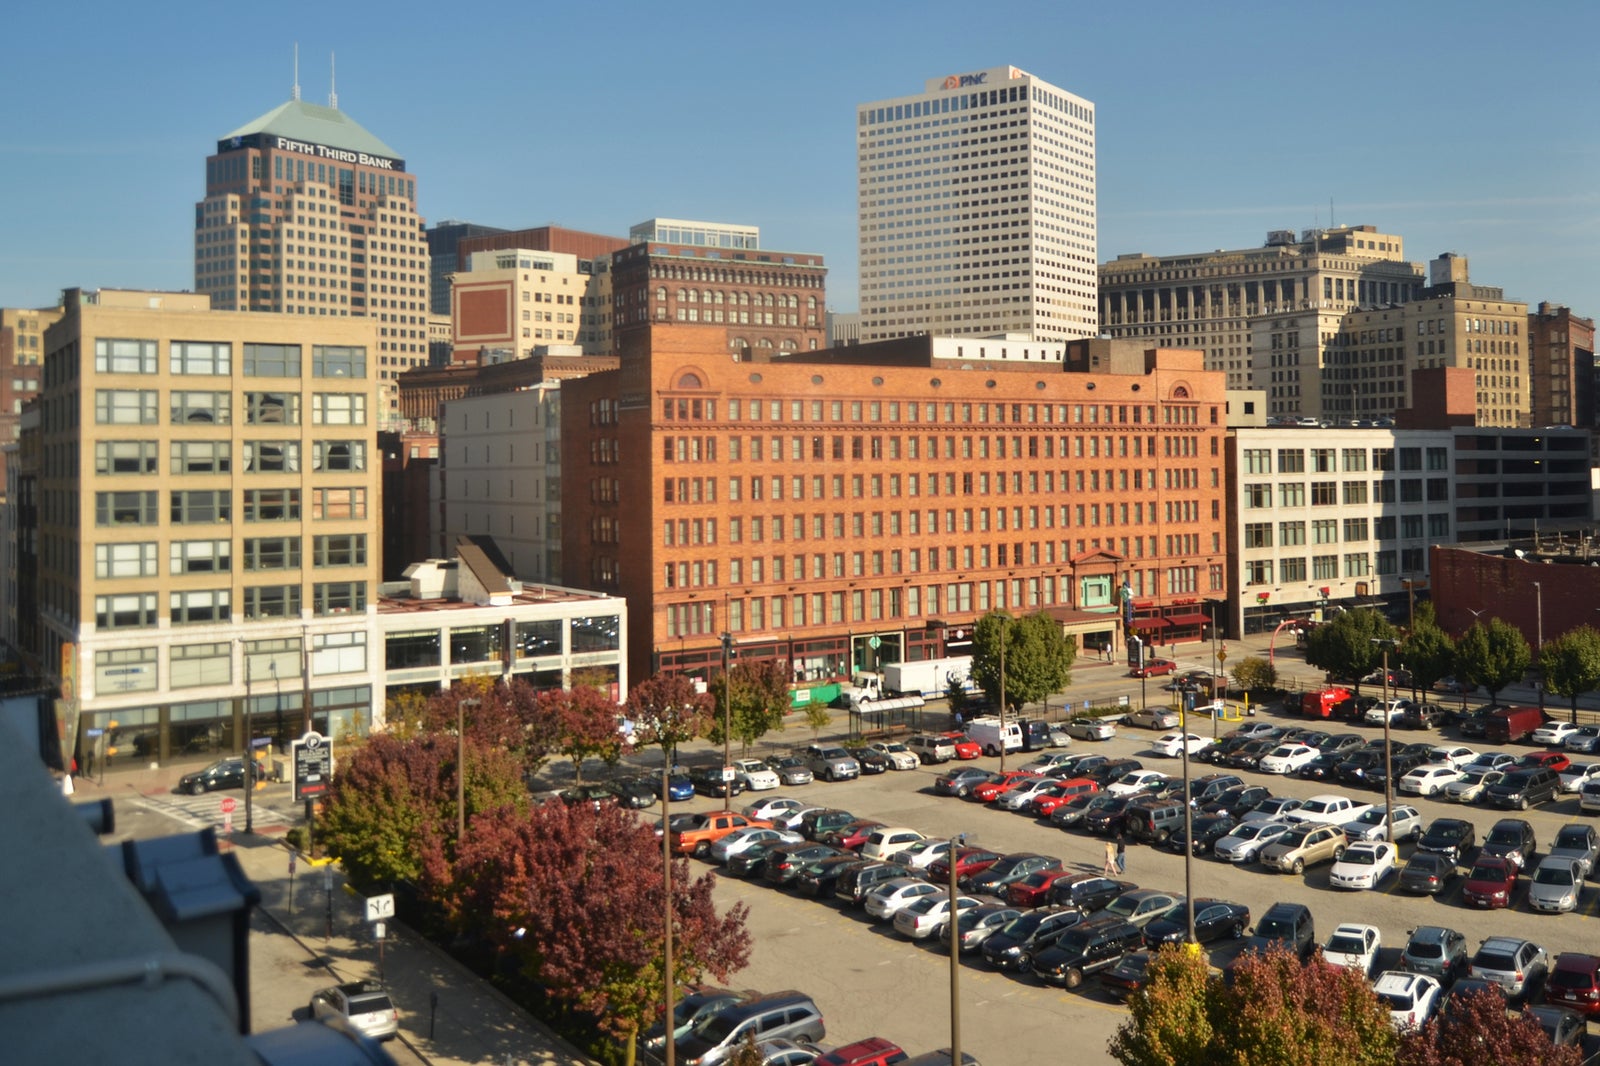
{"x": 1469, "y": 127}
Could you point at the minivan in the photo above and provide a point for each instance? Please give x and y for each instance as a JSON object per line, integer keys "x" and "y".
{"x": 1511, "y": 723}
{"x": 1285, "y": 925}
{"x": 932, "y": 749}
{"x": 1523, "y": 788}
{"x": 789, "y": 1014}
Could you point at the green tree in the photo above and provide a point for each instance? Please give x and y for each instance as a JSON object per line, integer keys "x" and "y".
{"x": 817, "y": 717}
{"x": 757, "y": 691}
{"x": 1493, "y": 656}
{"x": 1571, "y": 665}
{"x": 1253, "y": 673}
{"x": 1427, "y": 652}
{"x": 1344, "y": 647}
{"x": 1171, "y": 1022}
{"x": 1038, "y": 657}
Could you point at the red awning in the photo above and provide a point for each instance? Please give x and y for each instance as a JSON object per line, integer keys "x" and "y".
{"x": 1189, "y": 619}
{"x": 1150, "y": 623}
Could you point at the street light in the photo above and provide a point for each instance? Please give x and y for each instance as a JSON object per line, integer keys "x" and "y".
{"x": 1388, "y": 755}
{"x": 727, "y": 704}
{"x": 1538, "y": 601}
{"x": 1003, "y": 694}
{"x": 956, "y": 841}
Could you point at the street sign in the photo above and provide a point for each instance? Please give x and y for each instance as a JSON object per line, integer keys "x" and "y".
{"x": 874, "y": 643}
{"x": 380, "y": 907}
{"x": 728, "y": 773}
{"x": 228, "y": 804}
{"x": 313, "y": 765}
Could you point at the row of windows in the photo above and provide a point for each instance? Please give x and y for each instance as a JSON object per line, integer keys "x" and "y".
{"x": 685, "y": 449}
{"x": 476, "y": 644}
{"x": 1350, "y": 460}
{"x": 139, "y": 558}
{"x": 216, "y": 456}
{"x": 1329, "y": 530}
{"x": 137, "y": 610}
{"x": 964, "y": 413}
{"x": 1331, "y": 567}
{"x": 188, "y": 507}
{"x": 196, "y": 665}
{"x": 141, "y": 407}
{"x": 1332, "y": 493}
{"x": 698, "y": 490}
{"x": 215, "y": 358}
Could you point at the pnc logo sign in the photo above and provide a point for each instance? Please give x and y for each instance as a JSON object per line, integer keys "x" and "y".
{"x": 961, "y": 81}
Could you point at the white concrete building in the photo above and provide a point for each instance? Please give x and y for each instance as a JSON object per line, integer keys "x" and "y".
{"x": 977, "y": 209}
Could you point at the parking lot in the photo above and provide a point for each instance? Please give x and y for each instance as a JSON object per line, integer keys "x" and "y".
{"x": 870, "y": 982}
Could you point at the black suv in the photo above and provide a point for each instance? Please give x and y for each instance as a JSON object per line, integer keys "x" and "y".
{"x": 1400, "y": 764}
{"x": 1204, "y": 789}
{"x": 1207, "y": 829}
{"x": 1153, "y": 821}
{"x": 1086, "y": 948}
{"x": 1088, "y": 892}
{"x": 857, "y": 883}
{"x": 1285, "y": 925}
{"x": 1016, "y": 944}
{"x": 1523, "y": 788}
{"x": 1511, "y": 839}
{"x": 1358, "y": 768}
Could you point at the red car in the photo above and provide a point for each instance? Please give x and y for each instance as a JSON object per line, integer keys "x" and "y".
{"x": 1034, "y": 890}
{"x": 1545, "y": 760}
{"x": 993, "y": 788}
{"x": 854, "y": 835}
{"x": 873, "y": 1051}
{"x": 1490, "y": 884}
{"x": 1153, "y": 668}
{"x": 966, "y": 747}
{"x": 1047, "y": 802}
{"x": 1574, "y": 983}
{"x": 969, "y": 861}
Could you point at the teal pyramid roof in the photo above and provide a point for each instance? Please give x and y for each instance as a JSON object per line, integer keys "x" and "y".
{"x": 302, "y": 121}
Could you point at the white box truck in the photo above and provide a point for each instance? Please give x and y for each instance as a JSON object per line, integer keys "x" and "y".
{"x": 929, "y": 678}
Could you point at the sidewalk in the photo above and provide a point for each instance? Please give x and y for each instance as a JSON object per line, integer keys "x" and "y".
{"x": 474, "y": 1024}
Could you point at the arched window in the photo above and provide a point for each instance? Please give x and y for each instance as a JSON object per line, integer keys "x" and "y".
{"x": 689, "y": 381}
{"x": 763, "y": 343}
{"x": 811, "y": 303}
{"x": 661, "y": 292}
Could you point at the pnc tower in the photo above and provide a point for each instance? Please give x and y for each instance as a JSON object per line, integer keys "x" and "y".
{"x": 977, "y": 210}
{"x": 307, "y": 213}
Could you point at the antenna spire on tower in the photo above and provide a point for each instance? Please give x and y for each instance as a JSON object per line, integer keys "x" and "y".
{"x": 333, "y": 89}
{"x": 295, "y": 92}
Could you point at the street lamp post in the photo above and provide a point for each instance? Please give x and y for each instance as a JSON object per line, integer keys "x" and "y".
{"x": 1002, "y": 741}
{"x": 1192, "y": 941}
{"x": 955, "y": 956}
{"x": 1538, "y": 648}
{"x": 249, "y": 749}
{"x": 1388, "y": 754}
{"x": 727, "y": 703}
{"x": 666, "y": 882}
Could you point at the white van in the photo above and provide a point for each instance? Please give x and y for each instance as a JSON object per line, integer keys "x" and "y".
{"x": 990, "y": 734}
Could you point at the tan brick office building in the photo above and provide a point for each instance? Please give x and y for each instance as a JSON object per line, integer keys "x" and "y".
{"x": 807, "y": 505}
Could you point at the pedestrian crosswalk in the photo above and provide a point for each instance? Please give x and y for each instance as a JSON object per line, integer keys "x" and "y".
{"x": 200, "y": 812}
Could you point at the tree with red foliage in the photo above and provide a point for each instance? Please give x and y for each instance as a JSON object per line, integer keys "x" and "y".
{"x": 506, "y": 716}
{"x": 390, "y": 812}
{"x": 587, "y": 725}
{"x": 584, "y": 885}
{"x": 1478, "y": 1031}
{"x": 667, "y": 710}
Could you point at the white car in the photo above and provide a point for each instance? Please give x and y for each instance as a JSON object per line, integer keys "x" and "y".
{"x": 1354, "y": 947}
{"x": 923, "y": 854}
{"x": 1392, "y": 710}
{"x": 1429, "y": 779}
{"x": 1021, "y": 798}
{"x": 1553, "y": 734}
{"x": 1244, "y": 844}
{"x": 1090, "y": 729}
{"x": 776, "y": 808}
{"x": 755, "y": 775}
{"x": 1133, "y": 782}
{"x": 1364, "y": 865}
{"x": 1575, "y": 776}
{"x": 1374, "y": 825}
{"x": 741, "y": 840}
{"x": 1049, "y": 761}
{"x": 1328, "y": 808}
{"x": 900, "y": 757}
{"x": 927, "y": 916}
{"x": 1411, "y": 997}
{"x": 1457, "y": 755}
{"x": 1173, "y": 744}
{"x": 893, "y": 896}
{"x": 1287, "y": 758}
{"x": 1473, "y": 784}
{"x": 889, "y": 842}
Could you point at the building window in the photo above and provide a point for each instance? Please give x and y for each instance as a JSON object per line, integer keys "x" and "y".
{"x": 1257, "y": 460}
{"x": 1257, "y": 496}
{"x": 599, "y": 633}
{"x": 124, "y": 356}
{"x": 200, "y": 556}
{"x": 1357, "y": 564}
{"x": 200, "y": 357}
{"x": 1355, "y": 530}
{"x": 125, "y": 457}
{"x": 272, "y": 360}
{"x": 1291, "y": 533}
{"x": 343, "y": 549}
{"x": 1258, "y": 535}
{"x": 338, "y": 653}
{"x": 329, "y": 361}
{"x": 338, "y": 504}
{"x": 272, "y": 456}
{"x": 137, "y": 559}
{"x": 1325, "y": 531}
{"x": 272, "y": 408}
{"x": 1291, "y": 461}
{"x": 1291, "y": 570}
{"x": 338, "y": 409}
{"x": 125, "y": 509}
{"x": 199, "y": 605}
{"x": 1355, "y": 492}
{"x": 407, "y": 651}
{"x": 1324, "y": 567}
{"x": 1258, "y": 572}
{"x": 125, "y": 670}
{"x": 341, "y": 597}
{"x": 1292, "y": 494}
{"x": 271, "y": 601}
{"x": 126, "y": 407}
{"x": 201, "y": 408}
{"x": 1324, "y": 493}
{"x": 131, "y": 610}
{"x": 1355, "y": 459}
{"x": 201, "y": 457}
{"x": 202, "y": 507}
{"x": 327, "y": 455}
{"x": 271, "y": 505}
{"x": 193, "y": 665}
{"x": 475, "y": 644}
{"x": 272, "y": 553}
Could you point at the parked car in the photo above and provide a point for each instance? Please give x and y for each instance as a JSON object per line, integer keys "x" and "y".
{"x": 1574, "y": 983}
{"x": 1585, "y": 741}
{"x": 788, "y": 1015}
{"x": 819, "y": 822}
{"x": 892, "y": 896}
{"x": 1153, "y": 668}
{"x": 899, "y": 755}
{"x": 1135, "y": 782}
{"x": 1518, "y": 966}
{"x": 1205, "y": 831}
{"x": 960, "y": 781}
{"x": 873, "y": 1051}
{"x": 1354, "y": 947}
{"x": 856, "y": 883}
{"x": 1153, "y": 718}
{"x": 1577, "y": 774}
{"x": 1238, "y": 801}
{"x": 832, "y": 762}
{"x": 968, "y": 861}
{"x": 1565, "y": 1028}
{"x": 1088, "y": 892}
{"x": 770, "y": 810}
{"x": 1143, "y": 905}
{"x": 1428, "y": 779}
{"x": 1436, "y": 950}
{"x": 1556, "y": 884}
{"x": 966, "y": 747}
{"x": 1373, "y": 824}
{"x": 1244, "y": 844}
{"x": 225, "y": 773}
{"x": 889, "y": 842}
{"x": 1451, "y": 838}
{"x": 737, "y": 841}
{"x": 1553, "y": 733}
{"x": 931, "y": 749}
{"x": 1513, "y": 840}
{"x": 1128, "y": 977}
{"x": 1072, "y": 812}
{"x": 1213, "y": 920}
{"x": 1172, "y": 745}
{"x": 998, "y": 783}
{"x": 1364, "y": 864}
{"x": 365, "y": 1005}
{"x": 1422, "y": 716}
{"x": 1427, "y": 873}
{"x": 1490, "y": 883}
{"x": 1021, "y": 797}
{"x": 1286, "y": 925}
{"x": 785, "y": 862}
{"x": 755, "y": 775}
{"x": 929, "y": 916}
{"x": 872, "y": 760}
{"x": 1091, "y": 946}
{"x": 993, "y": 879}
{"x": 1035, "y": 889}
{"x": 1412, "y": 998}
{"x": 852, "y": 835}
{"x": 821, "y": 878}
{"x": 1287, "y": 758}
{"x": 1471, "y": 786}
{"x": 1043, "y": 804}
{"x": 790, "y": 770}
{"x": 1090, "y": 729}
{"x": 1577, "y": 841}
{"x": 1274, "y": 809}
{"x": 1015, "y": 944}
{"x": 1302, "y": 846}
{"x": 708, "y": 781}
{"x": 920, "y": 855}
{"x": 697, "y": 1002}
{"x": 975, "y": 926}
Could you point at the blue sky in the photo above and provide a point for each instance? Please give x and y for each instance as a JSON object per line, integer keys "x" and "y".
{"x": 1470, "y": 127}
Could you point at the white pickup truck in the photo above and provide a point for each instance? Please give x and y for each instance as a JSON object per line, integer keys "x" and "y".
{"x": 1328, "y": 809}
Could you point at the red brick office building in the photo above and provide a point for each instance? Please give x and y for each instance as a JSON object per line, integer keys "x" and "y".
{"x": 808, "y": 504}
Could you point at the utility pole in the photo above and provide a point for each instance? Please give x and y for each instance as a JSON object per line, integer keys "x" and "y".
{"x": 249, "y": 747}
{"x": 1003, "y": 700}
{"x": 666, "y": 882}
{"x": 727, "y": 702}
{"x": 955, "y": 956}
{"x": 1388, "y": 753}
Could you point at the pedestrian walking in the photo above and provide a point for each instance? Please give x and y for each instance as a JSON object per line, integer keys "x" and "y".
{"x": 1110, "y": 868}
{"x": 1121, "y": 854}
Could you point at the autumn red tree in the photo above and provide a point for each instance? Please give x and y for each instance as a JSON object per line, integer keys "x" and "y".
{"x": 390, "y": 812}
{"x": 1478, "y": 1031}
{"x": 586, "y": 723}
{"x": 667, "y": 710}
{"x": 585, "y": 887}
{"x": 499, "y": 715}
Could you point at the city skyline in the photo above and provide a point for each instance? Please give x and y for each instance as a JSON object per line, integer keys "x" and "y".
{"x": 1214, "y": 127}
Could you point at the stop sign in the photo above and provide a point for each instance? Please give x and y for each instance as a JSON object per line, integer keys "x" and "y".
{"x": 228, "y": 803}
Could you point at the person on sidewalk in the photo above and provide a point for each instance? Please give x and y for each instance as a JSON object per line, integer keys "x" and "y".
{"x": 1121, "y": 853}
{"x": 1110, "y": 868}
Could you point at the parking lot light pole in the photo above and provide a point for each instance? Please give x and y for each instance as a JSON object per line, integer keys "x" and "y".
{"x": 1193, "y": 941}
{"x": 955, "y": 958}
{"x": 1388, "y": 754}
{"x": 669, "y": 1042}
{"x": 727, "y": 703}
